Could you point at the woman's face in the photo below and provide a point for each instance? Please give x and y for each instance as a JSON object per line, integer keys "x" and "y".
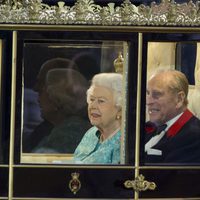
{"x": 102, "y": 110}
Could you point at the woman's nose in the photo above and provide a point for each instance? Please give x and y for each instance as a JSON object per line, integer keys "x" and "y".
{"x": 93, "y": 104}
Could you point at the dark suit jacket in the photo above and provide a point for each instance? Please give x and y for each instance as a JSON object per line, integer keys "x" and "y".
{"x": 181, "y": 143}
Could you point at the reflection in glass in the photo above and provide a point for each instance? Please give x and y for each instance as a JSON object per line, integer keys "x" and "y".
{"x": 63, "y": 105}
{"x": 172, "y": 129}
{"x": 55, "y": 116}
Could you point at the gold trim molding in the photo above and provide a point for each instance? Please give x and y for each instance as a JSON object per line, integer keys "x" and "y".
{"x": 86, "y": 12}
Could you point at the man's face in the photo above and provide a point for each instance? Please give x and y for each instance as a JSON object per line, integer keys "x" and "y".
{"x": 162, "y": 104}
{"x": 102, "y": 110}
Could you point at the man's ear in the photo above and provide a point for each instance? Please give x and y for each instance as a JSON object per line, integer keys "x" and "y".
{"x": 180, "y": 99}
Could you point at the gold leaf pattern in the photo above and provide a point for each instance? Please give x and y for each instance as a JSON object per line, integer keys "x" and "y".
{"x": 86, "y": 12}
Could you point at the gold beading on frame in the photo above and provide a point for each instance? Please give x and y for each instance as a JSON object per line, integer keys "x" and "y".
{"x": 86, "y": 12}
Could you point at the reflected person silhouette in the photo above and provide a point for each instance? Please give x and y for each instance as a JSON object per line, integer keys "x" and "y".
{"x": 50, "y": 115}
{"x": 63, "y": 103}
{"x": 101, "y": 143}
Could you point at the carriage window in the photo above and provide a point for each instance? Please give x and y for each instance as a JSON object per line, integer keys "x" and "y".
{"x": 72, "y": 108}
{"x": 172, "y": 115}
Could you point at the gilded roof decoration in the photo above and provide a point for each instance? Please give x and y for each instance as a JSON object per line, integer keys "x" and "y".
{"x": 86, "y": 12}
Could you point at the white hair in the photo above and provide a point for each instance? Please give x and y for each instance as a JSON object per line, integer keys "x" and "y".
{"x": 112, "y": 81}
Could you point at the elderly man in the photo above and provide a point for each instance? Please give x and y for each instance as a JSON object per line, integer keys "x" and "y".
{"x": 173, "y": 132}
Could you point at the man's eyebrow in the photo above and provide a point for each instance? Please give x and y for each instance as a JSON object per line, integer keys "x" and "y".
{"x": 152, "y": 91}
{"x": 157, "y": 93}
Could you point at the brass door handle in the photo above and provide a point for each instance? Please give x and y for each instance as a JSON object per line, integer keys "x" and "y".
{"x": 139, "y": 184}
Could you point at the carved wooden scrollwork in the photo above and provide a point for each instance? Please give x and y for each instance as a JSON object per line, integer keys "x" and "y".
{"x": 86, "y": 12}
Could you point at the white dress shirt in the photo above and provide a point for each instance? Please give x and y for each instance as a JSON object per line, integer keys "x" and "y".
{"x": 155, "y": 139}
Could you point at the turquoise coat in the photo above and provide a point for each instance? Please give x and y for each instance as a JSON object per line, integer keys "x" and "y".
{"x": 91, "y": 151}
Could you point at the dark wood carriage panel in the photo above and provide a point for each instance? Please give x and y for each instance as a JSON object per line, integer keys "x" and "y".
{"x": 3, "y": 181}
{"x": 54, "y": 183}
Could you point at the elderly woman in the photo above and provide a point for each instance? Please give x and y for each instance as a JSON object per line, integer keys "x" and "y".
{"x": 101, "y": 143}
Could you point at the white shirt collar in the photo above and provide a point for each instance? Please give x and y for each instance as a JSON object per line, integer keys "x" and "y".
{"x": 155, "y": 139}
{"x": 172, "y": 121}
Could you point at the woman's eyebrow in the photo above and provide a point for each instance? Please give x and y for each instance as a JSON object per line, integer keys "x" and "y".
{"x": 97, "y": 96}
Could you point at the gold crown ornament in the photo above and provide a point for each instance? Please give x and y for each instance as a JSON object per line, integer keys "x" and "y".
{"x": 119, "y": 63}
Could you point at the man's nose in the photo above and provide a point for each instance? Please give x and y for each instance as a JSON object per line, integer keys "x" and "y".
{"x": 149, "y": 99}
